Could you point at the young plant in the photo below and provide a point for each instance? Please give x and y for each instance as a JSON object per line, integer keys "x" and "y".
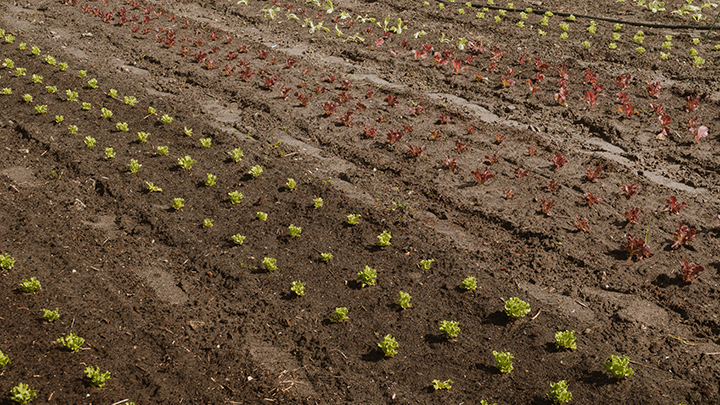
{"x": 129, "y": 100}
{"x": 558, "y": 392}
{"x": 92, "y": 83}
{"x": 142, "y": 137}
{"x": 208, "y": 223}
{"x": 404, "y": 300}
{"x": 469, "y": 283}
{"x": 72, "y": 129}
{"x": 353, "y": 219}
{"x": 388, "y": 346}
{"x": 298, "y": 288}
{"x": 339, "y": 315}
{"x": 62, "y": 66}
{"x": 384, "y": 239}
{"x": 186, "y": 162}
{"x": 162, "y": 150}
{"x": 27, "y": 98}
{"x": 205, "y": 142}
{"x": 294, "y": 231}
{"x": 30, "y": 286}
{"x": 41, "y": 109}
{"x": 318, "y": 202}
{"x": 235, "y": 197}
{"x": 133, "y": 166}
{"x": 178, "y": 203}
{"x": 255, "y": 171}
{"x": 426, "y": 264}
{"x": 673, "y": 206}
{"x": 290, "y": 184}
{"x": 516, "y": 308}
{"x": 690, "y": 271}
{"x": 72, "y": 342}
{"x": 96, "y": 378}
{"x": 637, "y": 246}
{"x": 440, "y": 385}
{"x": 683, "y": 235}
{"x": 261, "y": 216}
{"x": 238, "y": 239}
{"x": 270, "y": 263}
{"x": 450, "y": 329}
{"x": 22, "y": 394}
{"x": 151, "y": 111}
{"x": 112, "y": 93}
{"x": 326, "y": 257}
{"x": 503, "y": 361}
{"x": 49, "y": 315}
{"x": 4, "y": 360}
{"x": 6, "y": 261}
{"x": 565, "y": 340}
{"x": 210, "y": 180}
{"x": 151, "y": 188}
{"x": 482, "y": 177}
{"x": 236, "y": 155}
{"x": 123, "y": 127}
{"x": 618, "y": 367}
{"x": 166, "y": 119}
{"x": 104, "y": 112}
{"x": 367, "y": 277}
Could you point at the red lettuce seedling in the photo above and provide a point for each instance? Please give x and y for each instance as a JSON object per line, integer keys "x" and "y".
{"x": 591, "y": 199}
{"x": 546, "y": 205}
{"x": 329, "y": 108}
{"x": 496, "y": 54}
{"x": 343, "y": 97}
{"x": 533, "y": 89}
{"x": 683, "y": 235}
{"x": 451, "y": 163}
{"x": 416, "y": 151}
{"x": 419, "y": 55}
{"x": 361, "y": 107}
{"x": 562, "y": 95}
{"x": 658, "y": 108}
{"x": 489, "y": 160}
{"x": 303, "y": 99}
{"x": 552, "y": 186}
{"x": 632, "y": 215}
{"x": 347, "y": 118}
{"x": 626, "y": 109}
{"x": 690, "y": 271}
{"x": 458, "y": 67}
{"x": 509, "y": 194}
{"x": 637, "y": 247}
{"x": 484, "y": 176}
{"x": 590, "y": 77}
{"x": 622, "y": 82}
{"x": 435, "y": 135}
{"x": 623, "y": 98}
{"x": 630, "y": 190}
{"x": 559, "y": 160}
{"x": 444, "y": 119}
{"x": 592, "y": 175}
{"x": 673, "y": 206}
{"x": 391, "y": 100}
{"x": 654, "y": 89}
{"x": 520, "y": 173}
{"x": 581, "y": 224}
{"x": 692, "y": 103}
{"x": 370, "y": 132}
{"x": 665, "y": 122}
{"x": 540, "y": 66}
{"x": 460, "y": 147}
{"x": 590, "y": 98}
{"x": 394, "y": 136}
{"x": 699, "y": 133}
{"x": 531, "y": 151}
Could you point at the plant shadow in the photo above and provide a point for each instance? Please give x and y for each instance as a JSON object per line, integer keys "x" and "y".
{"x": 597, "y": 378}
{"x": 374, "y": 355}
{"x": 498, "y": 318}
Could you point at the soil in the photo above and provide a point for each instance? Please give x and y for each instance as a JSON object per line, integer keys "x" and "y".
{"x": 180, "y": 314}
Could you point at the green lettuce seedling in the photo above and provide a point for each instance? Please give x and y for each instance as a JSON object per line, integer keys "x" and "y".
{"x": 238, "y": 239}
{"x": 484, "y": 402}
{"x": 618, "y": 367}
{"x": 384, "y": 239}
{"x": 6, "y": 261}
{"x": 235, "y": 197}
{"x": 104, "y": 112}
{"x": 72, "y": 129}
{"x": 178, "y": 203}
{"x": 353, "y": 219}
{"x": 151, "y": 111}
{"x": 318, "y": 202}
{"x": 205, "y": 142}
{"x": 35, "y": 50}
{"x": 469, "y": 283}
{"x": 440, "y": 385}
{"x": 210, "y": 179}
{"x": 450, "y": 329}
{"x": 558, "y": 392}
{"x": 20, "y": 72}
{"x": 92, "y": 83}
{"x": 166, "y": 119}
{"x": 6, "y": 91}
{"x": 142, "y": 136}
{"x": 62, "y": 66}
{"x": 367, "y": 277}
{"x": 129, "y": 100}
{"x": 516, "y": 308}
{"x": 290, "y": 184}
{"x": 152, "y": 188}
{"x": 295, "y": 231}
{"x": 326, "y": 257}
{"x": 41, "y": 109}
{"x": 72, "y": 342}
{"x": 50, "y": 60}
{"x": 388, "y": 346}
{"x": 207, "y": 222}
{"x": 22, "y": 394}
{"x": 255, "y": 171}
{"x": 261, "y": 216}
{"x": 96, "y": 378}
{"x": 339, "y": 315}
{"x": 425, "y": 264}
{"x": 81, "y": 74}
{"x": 404, "y": 300}
{"x": 49, "y": 315}
{"x": 4, "y": 360}
{"x": 30, "y": 286}
{"x": 27, "y": 98}
{"x": 236, "y": 155}
{"x": 162, "y": 150}
{"x": 112, "y": 93}
{"x": 186, "y": 162}
{"x": 270, "y": 263}
{"x": 298, "y": 288}
{"x": 59, "y": 119}
{"x": 37, "y": 78}
{"x": 133, "y": 166}
{"x": 565, "y": 340}
{"x": 504, "y": 361}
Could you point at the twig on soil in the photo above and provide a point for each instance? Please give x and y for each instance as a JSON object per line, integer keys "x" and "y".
{"x": 536, "y": 315}
{"x": 645, "y": 365}
{"x": 709, "y": 354}
{"x": 119, "y": 402}
{"x": 582, "y": 304}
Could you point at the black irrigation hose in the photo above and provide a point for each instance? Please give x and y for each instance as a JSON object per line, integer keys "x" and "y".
{"x": 612, "y": 20}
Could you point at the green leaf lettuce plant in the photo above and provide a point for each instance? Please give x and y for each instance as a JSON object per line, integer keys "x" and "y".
{"x": 440, "y": 385}
{"x": 469, "y": 283}
{"x": 22, "y": 394}
{"x": 516, "y": 308}
{"x": 619, "y": 367}
{"x": 96, "y": 378}
{"x": 565, "y": 340}
{"x": 30, "y": 286}
{"x": 450, "y": 329}
{"x": 404, "y": 300}
{"x": 388, "y": 346}
{"x": 6, "y": 261}
{"x": 558, "y": 392}
{"x": 367, "y": 277}
{"x": 503, "y": 361}
{"x": 384, "y": 239}
{"x": 72, "y": 341}
{"x": 339, "y": 315}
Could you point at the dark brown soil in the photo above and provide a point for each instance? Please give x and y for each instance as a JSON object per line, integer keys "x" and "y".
{"x": 179, "y": 314}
